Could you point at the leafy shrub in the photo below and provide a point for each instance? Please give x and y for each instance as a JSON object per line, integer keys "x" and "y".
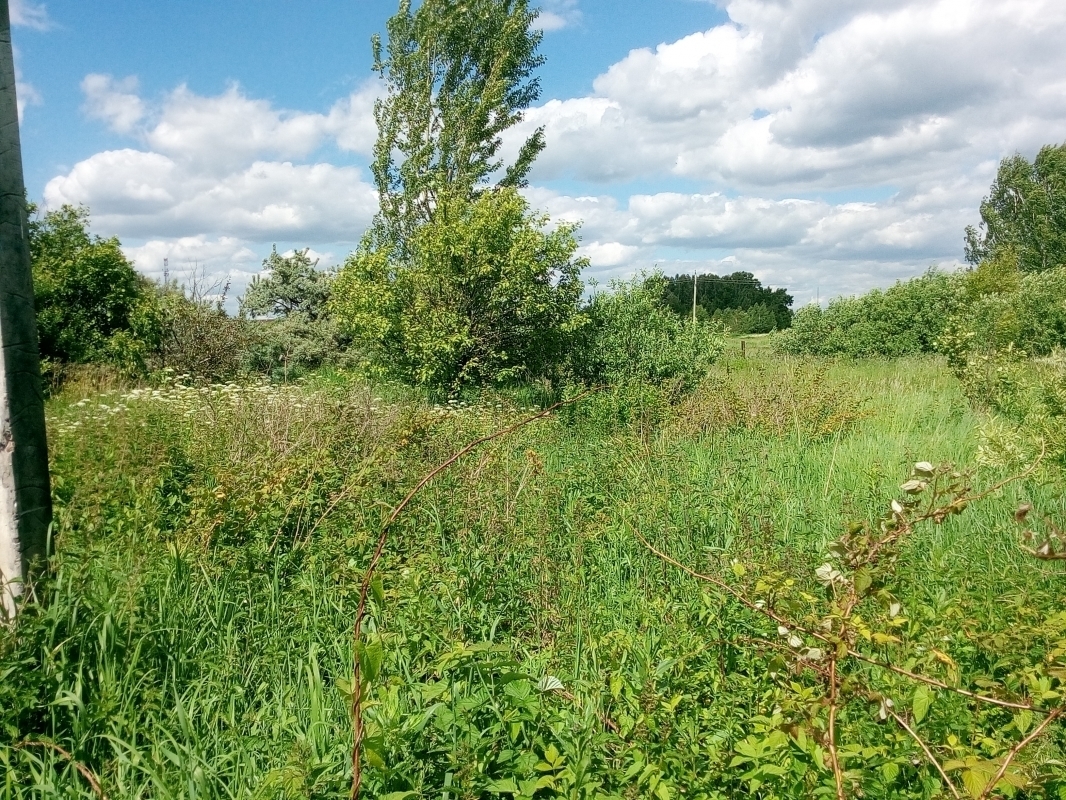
{"x": 486, "y": 295}
{"x": 906, "y": 319}
{"x": 631, "y": 335}
{"x": 1006, "y": 346}
{"x": 91, "y": 303}
{"x": 199, "y": 339}
{"x": 755, "y": 319}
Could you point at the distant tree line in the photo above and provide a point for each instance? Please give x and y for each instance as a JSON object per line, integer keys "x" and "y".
{"x": 739, "y": 301}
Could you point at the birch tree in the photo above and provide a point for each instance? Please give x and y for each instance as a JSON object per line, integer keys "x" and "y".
{"x": 25, "y": 494}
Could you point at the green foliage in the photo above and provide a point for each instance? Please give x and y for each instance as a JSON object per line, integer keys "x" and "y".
{"x": 91, "y": 304}
{"x": 1006, "y": 347}
{"x": 754, "y": 319}
{"x": 286, "y": 286}
{"x": 302, "y": 335}
{"x": 725, "y": 297}
{"x": 1025, "y": 212}
{"x": 198, "y": 338}
{"x": 632, "y": 336}
{"x": 521, "y": 641}
{"x": 486, "y": 294}
{"x": 907, "y": 319}
{"x": 457, "y": 75}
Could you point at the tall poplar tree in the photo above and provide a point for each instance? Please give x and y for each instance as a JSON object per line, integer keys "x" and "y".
{"x": 457, "y": 74}
{"x": 25, "y": 495}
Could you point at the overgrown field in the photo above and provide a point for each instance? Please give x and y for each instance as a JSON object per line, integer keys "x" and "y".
{"x": 522, "y": 640}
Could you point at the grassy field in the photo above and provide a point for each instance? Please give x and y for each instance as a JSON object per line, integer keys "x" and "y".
{"x": 521, "y": 640}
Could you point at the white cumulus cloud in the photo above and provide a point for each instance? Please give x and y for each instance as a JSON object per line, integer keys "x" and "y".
{"x": 27, "y": 14}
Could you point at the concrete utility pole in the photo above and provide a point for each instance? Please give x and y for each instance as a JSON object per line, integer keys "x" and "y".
{"x": 25, "y": 493}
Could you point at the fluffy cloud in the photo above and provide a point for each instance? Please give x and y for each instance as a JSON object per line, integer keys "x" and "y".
{"x": 806, "y": 95}
{"x": 558, "y": 14}
{"x": 27, "y": 14}
{"x": 810, "y": 244}
{"x": 826, "y": 146}
{"x": 114, "y": 102}
{"x": 789, "y": 100}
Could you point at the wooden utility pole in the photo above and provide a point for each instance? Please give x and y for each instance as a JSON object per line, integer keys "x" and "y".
{"x": 695, "y": 279}
{"x": 25, "y": 493}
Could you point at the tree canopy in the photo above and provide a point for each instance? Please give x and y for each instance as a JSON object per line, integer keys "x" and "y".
{"x": 457, "y": 74}
{"x": 458, "y": 281}
{"x": 85, "y": 289}
{"x": 739, "y": 290}
{"x": 1025, "y": 212}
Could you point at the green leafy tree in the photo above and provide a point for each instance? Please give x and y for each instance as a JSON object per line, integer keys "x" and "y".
{"x": 487, "y": 294}
{"x": 458, "y": 281}
{"x": 303, "y": 334}
{"x": 740, "y": 291}
{"x": 631, "y": 335}
{"x": 90, "y": 301}
{"x": 288, "y": 285}
{"x": 457, "y": 73}
{"x": 1025, "y": 211}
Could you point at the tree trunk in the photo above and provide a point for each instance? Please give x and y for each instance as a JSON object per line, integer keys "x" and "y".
{"x": 25, "y": 494}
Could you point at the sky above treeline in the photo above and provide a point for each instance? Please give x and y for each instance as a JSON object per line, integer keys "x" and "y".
{"x": 826, "y": 146}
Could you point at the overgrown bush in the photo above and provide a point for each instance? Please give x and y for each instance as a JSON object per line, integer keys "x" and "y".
{"x": 906, "y": 319}
{"x": 485, "y": 294}
{"x": 198, "y": 338}
{"x": 297, "y": 333}
{"x": 631, "y": 335}
{"x": 1006, "y": 346}
{"x": 92, "y": 306}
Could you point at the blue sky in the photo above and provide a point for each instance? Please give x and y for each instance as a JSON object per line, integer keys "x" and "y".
{"x": 825, "y": 146}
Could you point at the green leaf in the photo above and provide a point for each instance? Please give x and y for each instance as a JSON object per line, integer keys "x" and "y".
{"x": 371, "y": 656}
{"x": 890, "y": 772}
{"x": 975, "y": 781}
{"x": 503, "y": 786}
{"x": 923, "y": 699}
{"x": 1022, "y": 721}
{"x": 399, "y": 796}
{"x": 863, "y": 581}
{"x": 377, "y": 587}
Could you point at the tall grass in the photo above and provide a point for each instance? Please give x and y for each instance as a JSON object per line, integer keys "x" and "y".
{"x": 195, "y": 640}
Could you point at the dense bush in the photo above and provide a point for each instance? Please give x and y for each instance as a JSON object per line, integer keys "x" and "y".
{"x": 91, "y": 303}
{"x": 485, "y": 294}
{"x": 906, "y": 319}
{"x": 631, "y": 335}
{"x": 1006, "y": 346}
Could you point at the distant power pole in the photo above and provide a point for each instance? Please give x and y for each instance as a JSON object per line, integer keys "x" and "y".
{"x": 166, "y": 271}
{"x": 25, "y": 493}
{"x": 695, "y": 278}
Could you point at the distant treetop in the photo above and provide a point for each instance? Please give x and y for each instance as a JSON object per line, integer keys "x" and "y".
{"x": 738, "y": 291}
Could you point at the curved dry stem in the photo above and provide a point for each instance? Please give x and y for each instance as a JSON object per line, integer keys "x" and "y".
{"x": 928, "y": 753}
{"x": 1013, "y": 754}
{"x": 838, "y": 775}
{"x": 83, "y": 770}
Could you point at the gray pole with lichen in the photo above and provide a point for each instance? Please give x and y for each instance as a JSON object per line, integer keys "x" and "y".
{"x": 25, "y": 494}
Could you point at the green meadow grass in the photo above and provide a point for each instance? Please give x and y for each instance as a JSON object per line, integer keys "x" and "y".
{"x": 195, "y": 641}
